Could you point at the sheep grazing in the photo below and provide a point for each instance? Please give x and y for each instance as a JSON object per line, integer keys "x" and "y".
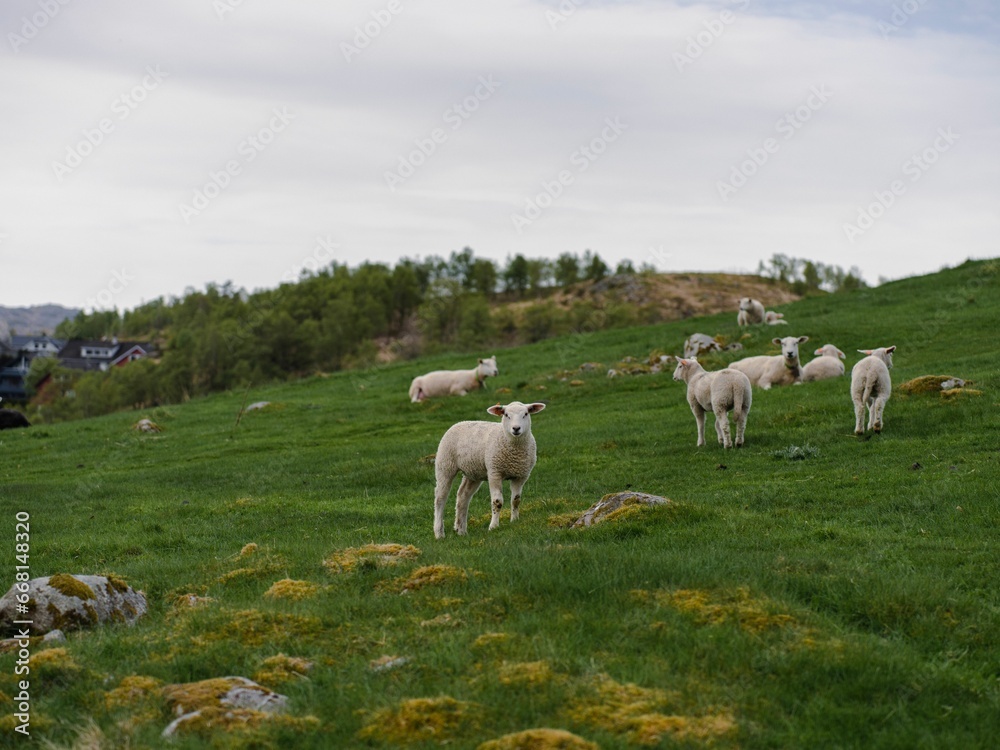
{"x": 775, "y": 318}
{"x": 10, "y": 419}
{"x": 751, "y": 312}
{"x": 698, "y": 343}
{"x": 780, "y": 369}
{"x": 452, "y": 382}
{"x": 826, "y": 365}
{"x": 871, "y": 386}
{"x": 720, "y": 392}
{"x": 485, "y": 451}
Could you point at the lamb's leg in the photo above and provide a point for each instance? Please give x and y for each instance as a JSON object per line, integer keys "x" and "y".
{"x": 722, "y": 427}
{"x": 515, "y": 497}
{"x": 699, "y": 417}
{"x": 466, "y": 490}
{"x": 741, "y": 423}
{"x": 496, "y": 499}
{"x": 859, "y": 416}
{"x": 877, "y": 408}
{"x": 871, "y": 412}
{"x": 441, "y": 492}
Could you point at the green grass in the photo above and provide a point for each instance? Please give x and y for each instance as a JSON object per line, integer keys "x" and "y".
{"x": 813, "y": 589}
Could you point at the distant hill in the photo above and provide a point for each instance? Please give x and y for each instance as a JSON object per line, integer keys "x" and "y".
{"x": 37, "y": 319}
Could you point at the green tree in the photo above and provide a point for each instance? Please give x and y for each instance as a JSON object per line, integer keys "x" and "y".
{"x": 567, "y": 269}
{"x": 515, "y": 276}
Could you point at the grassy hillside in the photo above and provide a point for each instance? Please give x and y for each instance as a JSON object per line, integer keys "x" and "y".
{"x": 813, "y": 589}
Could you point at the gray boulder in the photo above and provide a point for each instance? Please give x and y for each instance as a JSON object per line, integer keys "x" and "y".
{"x": 70, "y": 602}
{"x": 617, "y": 501}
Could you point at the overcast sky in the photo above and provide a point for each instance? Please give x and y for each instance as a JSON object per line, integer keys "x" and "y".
{"x": 149, "y": 147}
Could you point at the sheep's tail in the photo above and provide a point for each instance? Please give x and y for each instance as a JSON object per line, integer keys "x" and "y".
{"x": 414, "y": 389}
{"x": 869, "y": 387}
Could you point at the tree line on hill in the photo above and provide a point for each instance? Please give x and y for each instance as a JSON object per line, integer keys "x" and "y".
{"x": 334, "y": 318}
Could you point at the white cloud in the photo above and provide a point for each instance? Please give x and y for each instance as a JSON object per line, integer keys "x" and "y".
{"x": 655, "y": 186}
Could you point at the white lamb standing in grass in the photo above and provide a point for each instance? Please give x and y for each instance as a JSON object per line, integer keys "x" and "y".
{"x": 485, "y": 451}
{"x": 871, "y": 386}
{"x": 774, "y": 318}
{"x": 452, "y": 382}
{"x": 826, "y": 365}
{"x": 719, "y": 392}
{"x": 765, "y": 371}
{"x": 751, "y": 312}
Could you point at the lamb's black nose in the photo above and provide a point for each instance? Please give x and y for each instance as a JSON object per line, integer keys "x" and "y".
{"x": 516, "y": 430}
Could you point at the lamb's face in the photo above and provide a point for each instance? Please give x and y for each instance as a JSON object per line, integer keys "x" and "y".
{"x": 746, "y": 303}
{"x": 790, "y": 348}
{"x": 516, "y": 417}
{"x": 682, "y": 366}
{"x": 488, "y": 367}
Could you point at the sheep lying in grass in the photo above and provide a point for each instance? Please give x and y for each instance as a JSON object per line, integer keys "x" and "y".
{"x": 780, "y": 369}
{"x": 775, "y": 318}
{"x": 698, "y": 343}
{"x": 826, "y": 365}
{"x": 871, "y": 386}
{"x": 452, "y": 382}
{"x": 720, "y": 392}
{"x": 751, "y": 312}
{"x": 485, "y": 451}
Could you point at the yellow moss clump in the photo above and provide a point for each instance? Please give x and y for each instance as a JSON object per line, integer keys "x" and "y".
{"x": 191, "y": 601}
{"x": 441, "y": 621}
{"x": 263, "y": 569}
{"x": 923, "y": 384}
{"x": 252, "y": 627}
{"x": 290, "y": 589}
{"x": 370, "y": 555}
{"x": 636, "y": 713}
{"x": 539, "y": 739}
{"x": 243, "y": 721}
{"x": 526, "y": 673}
{"x": 248, "y": 549}
{"x": 277, "y": 670}
{"x": 70, "y": 586}
{"x": 116, "y": 583}
{"x": 39, "y": 723}
{"x": 954, "y": 393}
{"x": 53, "y": 662}
{"x": 488, "y": 640}
{"x": 736, "y": 607}
{"x": 429, "y": 575}
{"x": 421, "y": 720}
{"x": 131, "y": 691}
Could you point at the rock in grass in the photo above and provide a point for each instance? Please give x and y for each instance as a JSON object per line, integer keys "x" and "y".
{"x": 221, "y": 703}
{"x": 617, "y": 504}
{"x": 71, "y": 602}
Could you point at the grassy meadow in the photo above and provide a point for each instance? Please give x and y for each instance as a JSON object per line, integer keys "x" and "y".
{"x": 811, "y": 590}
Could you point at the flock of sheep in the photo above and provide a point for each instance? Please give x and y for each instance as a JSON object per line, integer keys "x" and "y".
{"x": 492, "y": 452}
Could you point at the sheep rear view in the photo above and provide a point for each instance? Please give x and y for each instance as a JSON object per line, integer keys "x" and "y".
{"x": 871, "y": 386}
{"x": 485, "y": 451}
{"x": 720, "y": 392}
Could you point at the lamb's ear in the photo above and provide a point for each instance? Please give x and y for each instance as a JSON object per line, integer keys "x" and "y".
{"x": 841, "y": 354}
{"x": 496, "y": 410}
{"x": 535, "y": 408}
{"x": 776, "y": 340}
{"x": 818, "y": 351}
{"x": 864, "y": 351}
{"x": 481, "y": 361}
{"x": 890, "y": 349}
{"x": 803, "y": 339}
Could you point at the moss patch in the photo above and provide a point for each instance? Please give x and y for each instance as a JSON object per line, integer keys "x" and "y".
{"x": 239, "y": 722}
{"x": 370, "y": 556}
{"x": 490, "y": 640}
{"x": 116, "y": 583}
{"x": 734, "y": 607}
{"x": 252, "y": 627}
{"x": 132, "y": 691}
{"x": 248, "y": 549}
{"x": 429, "y": 575}
{"x": 289, "y": 589}
{"x": 526, "y": 673}
{"x": 53, "y": 662}
{"x": 923, "y": 384}
{"x": 279, "y": 669}
{"x": 422, "y": 720}
{"x": 636, "y": 712}
{"x": 70, "y": 586}
{"x": 539, "y": 739}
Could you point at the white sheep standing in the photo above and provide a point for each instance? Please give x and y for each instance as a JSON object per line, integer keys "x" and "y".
{"x": 720, "y": 392}
{"x": 485, "y": 451}
{"x": 826, "y": 365}
{"x": 751, "y": 312}
{"x": 779, "y": 369}
{"x": 452, "y": 382}
{"x": 774, "y": 318}
{"x": 871, "y": 386}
